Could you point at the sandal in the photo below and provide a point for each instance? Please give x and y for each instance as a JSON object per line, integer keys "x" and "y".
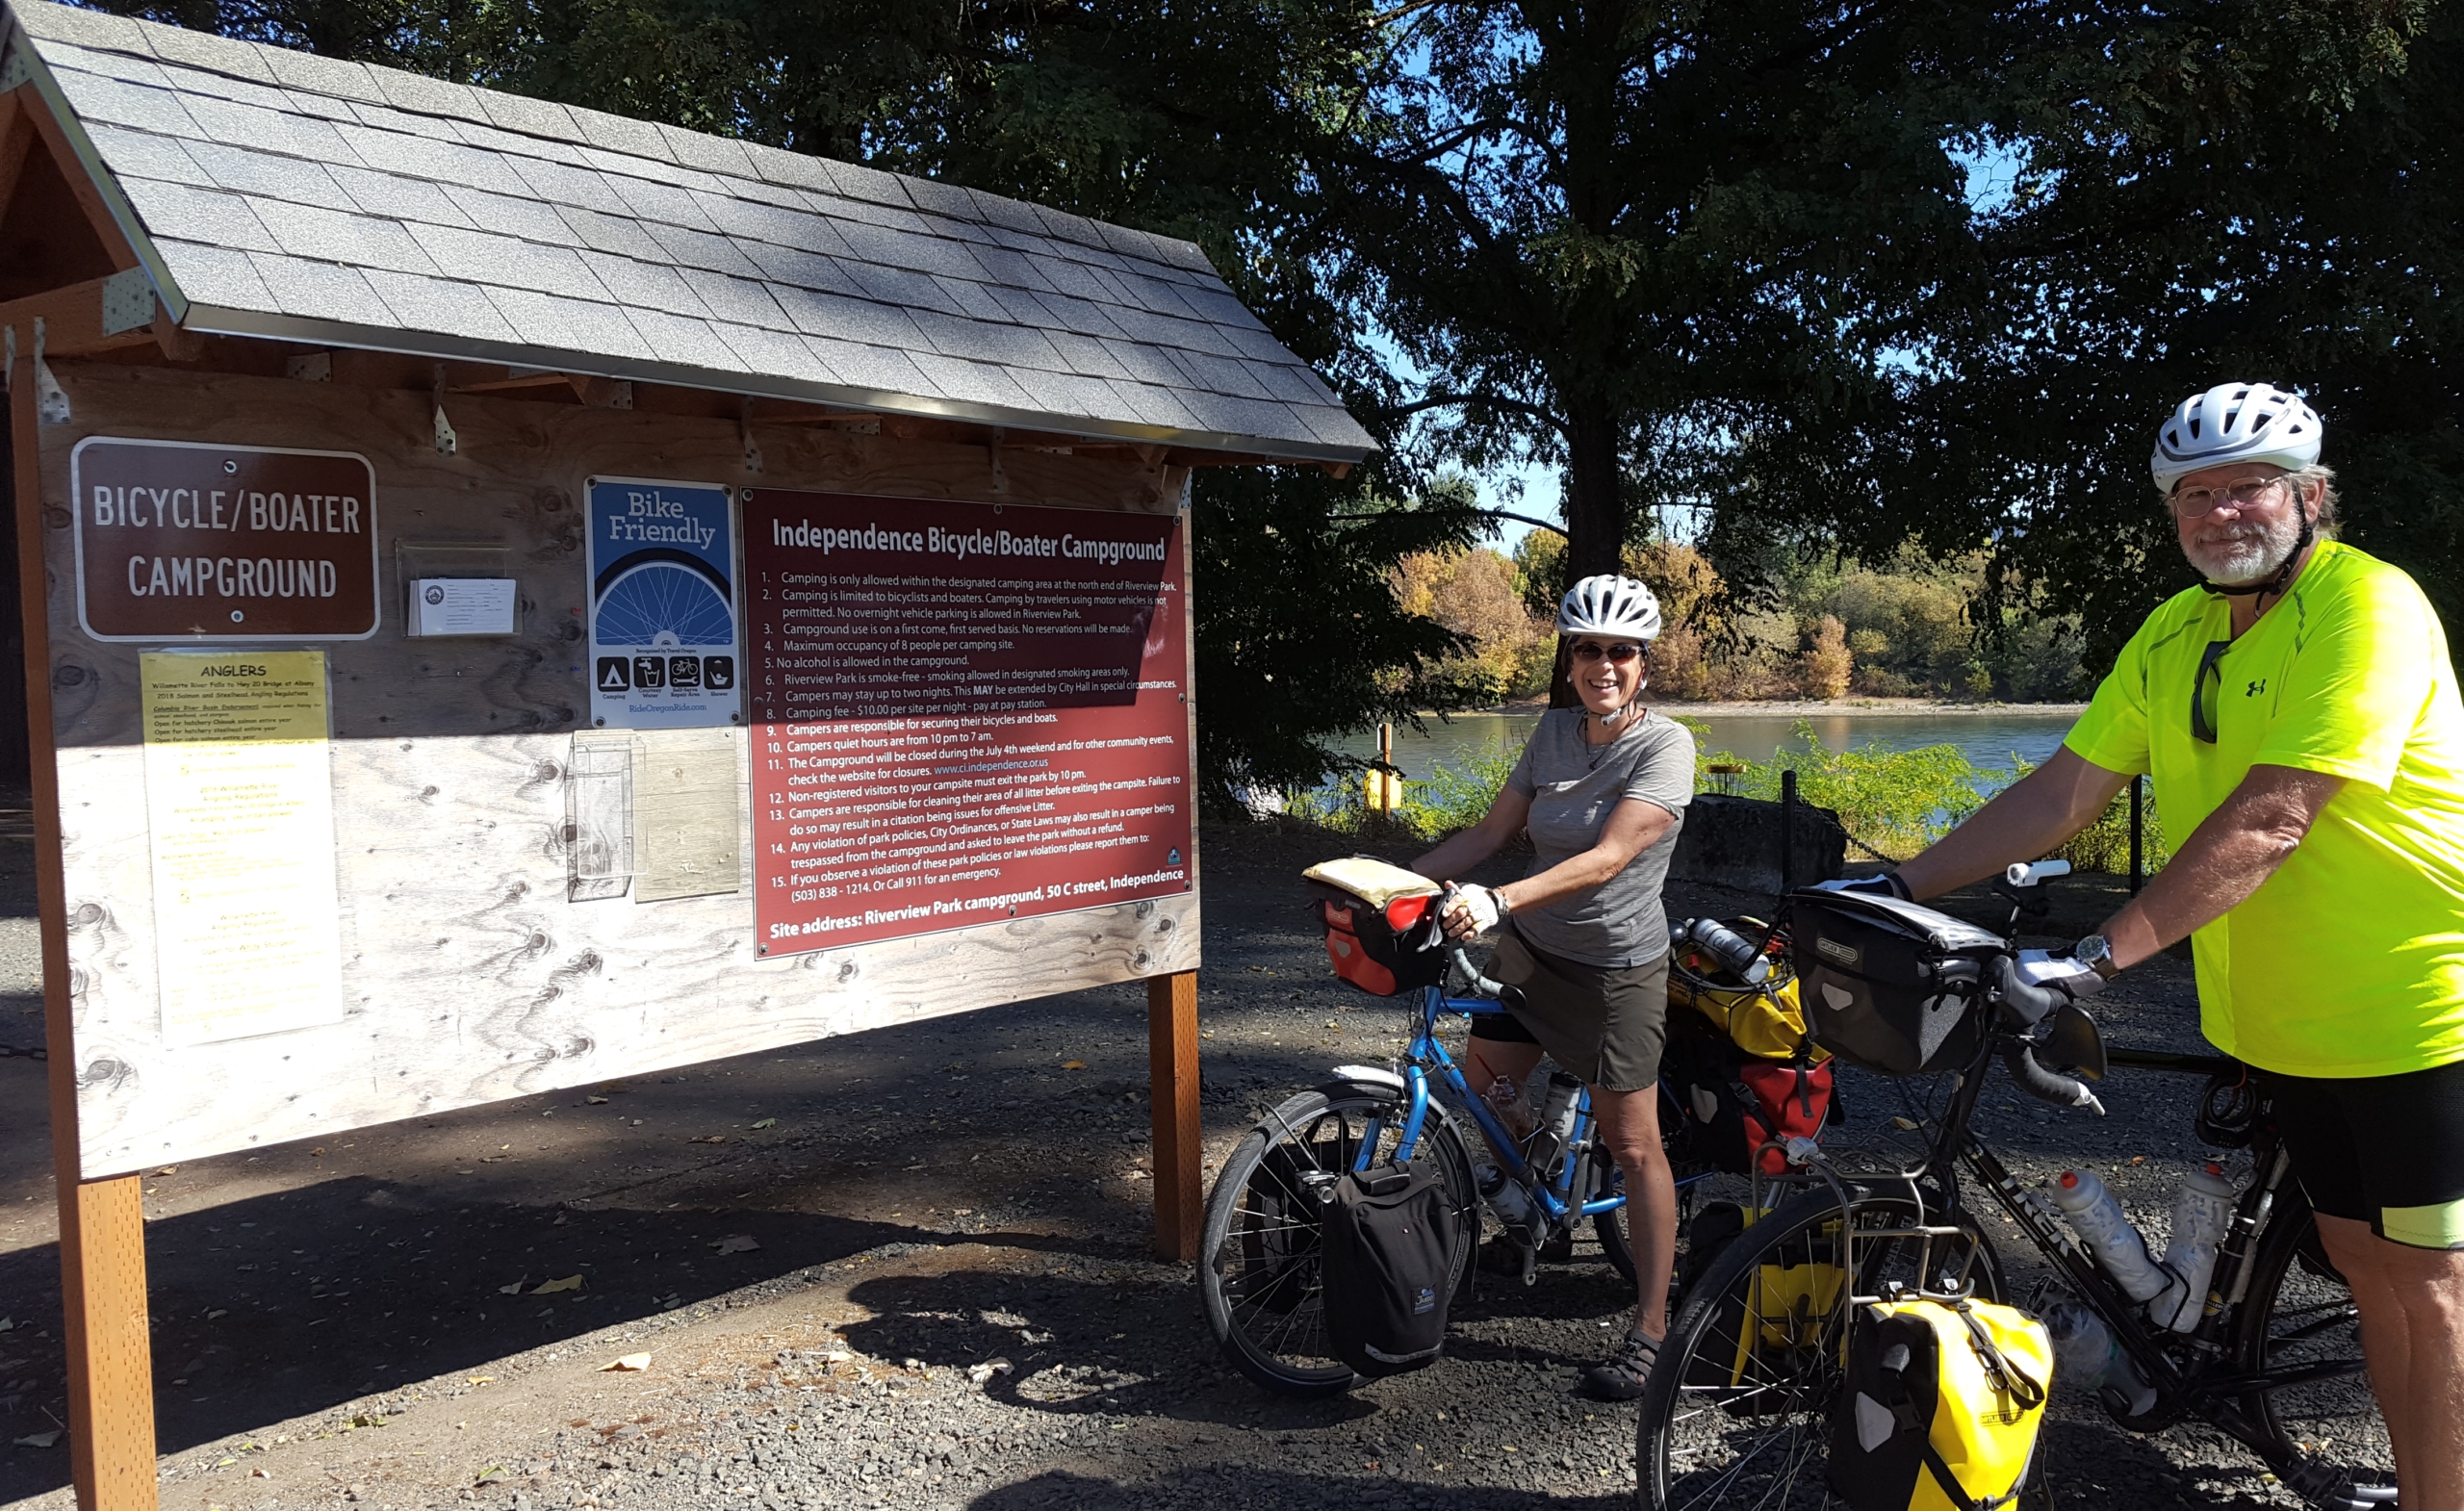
{"x": 1623, "y": 1375}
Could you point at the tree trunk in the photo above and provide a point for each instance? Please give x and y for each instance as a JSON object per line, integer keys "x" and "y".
{"x": 1595, "y": 510}
{"x": 1595, "y": 496}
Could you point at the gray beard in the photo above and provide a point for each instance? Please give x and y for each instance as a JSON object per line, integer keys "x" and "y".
{"x": 2246, "y": 559}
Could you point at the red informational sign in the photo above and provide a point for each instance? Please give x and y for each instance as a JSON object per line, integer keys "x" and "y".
{"x": 962, "y": 713}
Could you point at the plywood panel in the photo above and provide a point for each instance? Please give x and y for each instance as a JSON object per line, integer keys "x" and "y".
{"x": 469, "y": 973}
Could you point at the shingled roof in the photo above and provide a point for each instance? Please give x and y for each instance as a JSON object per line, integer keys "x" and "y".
{"x": 278, "y": 194}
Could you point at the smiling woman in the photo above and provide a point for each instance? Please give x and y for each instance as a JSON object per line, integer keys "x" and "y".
{"x": 1582, "y": 940}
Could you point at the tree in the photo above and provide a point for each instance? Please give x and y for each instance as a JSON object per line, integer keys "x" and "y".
{"x": 1618, "y": 233}
{"x": 2197, "y": 192}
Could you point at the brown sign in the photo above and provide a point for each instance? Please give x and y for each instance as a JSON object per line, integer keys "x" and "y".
{"x": 180, "y": 540}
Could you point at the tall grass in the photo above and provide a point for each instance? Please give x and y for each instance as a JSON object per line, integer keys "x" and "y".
{"x": 1892, "y": 803}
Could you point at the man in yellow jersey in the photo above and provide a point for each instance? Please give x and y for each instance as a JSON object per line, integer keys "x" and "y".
{"x": 2297, "y": 714}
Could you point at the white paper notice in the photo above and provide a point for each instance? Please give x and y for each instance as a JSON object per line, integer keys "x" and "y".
{"x": 239, "y": 795}
{"x": 462, "y": 607}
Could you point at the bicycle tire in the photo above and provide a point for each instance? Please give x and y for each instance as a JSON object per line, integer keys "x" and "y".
{"x": 1736, "y": 1412}
{"x": 1257, "y": 1271}
{"x": 2329, "y": 1434}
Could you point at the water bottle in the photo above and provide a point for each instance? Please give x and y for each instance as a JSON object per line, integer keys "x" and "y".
{"x": 1508, "y": 1198}
{"x": 1556, "y": 1122}
{"x": 2086, "y": 1354}
{"x": 2202, "y": 1209}
{"x": 2096, "y": 1214}
{"x": 1734, "y": 952}
{"x": 1506, "y": 1099}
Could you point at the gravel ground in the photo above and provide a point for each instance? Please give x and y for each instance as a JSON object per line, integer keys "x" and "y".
{"x": 927, "y": 1283}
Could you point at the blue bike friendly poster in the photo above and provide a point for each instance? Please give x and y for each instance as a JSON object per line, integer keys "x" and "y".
{"x": 662, "y": 604}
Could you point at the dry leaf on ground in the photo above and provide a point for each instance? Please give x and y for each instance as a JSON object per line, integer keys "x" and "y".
{"x": 767, "y": 1122}
{"x": 631, "y": 1361}
{"x": 38, "y": 1439}
{"x": 1073, "y": 1064}
{"x": 569, "y": 1283}
{"x": 737, "y": 1244}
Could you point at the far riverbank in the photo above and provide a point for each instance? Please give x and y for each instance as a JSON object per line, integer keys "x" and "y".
{"x": 1811, "y": 708}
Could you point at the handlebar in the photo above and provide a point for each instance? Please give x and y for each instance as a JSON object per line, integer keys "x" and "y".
{"x": 2021, "y": 1060}
{"x": 2022, "y": 1008}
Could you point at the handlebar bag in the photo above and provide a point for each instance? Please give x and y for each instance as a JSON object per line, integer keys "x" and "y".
{"x": 1380, "y": 922}
{"x": 1941, "y": 1407}
{"x": 1388, "y": 1238}
{"x": 1887, "y": 986}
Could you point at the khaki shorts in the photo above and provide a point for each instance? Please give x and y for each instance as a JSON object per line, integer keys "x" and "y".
{"x": 1605, "y": 1025}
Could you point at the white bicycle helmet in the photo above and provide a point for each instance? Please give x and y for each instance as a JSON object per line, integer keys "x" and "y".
{"x": 1609, "y": 605}
{"x": 2235, "y": 423}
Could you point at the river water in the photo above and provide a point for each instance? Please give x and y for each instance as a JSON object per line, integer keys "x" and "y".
{"x": 1988, "y": 736}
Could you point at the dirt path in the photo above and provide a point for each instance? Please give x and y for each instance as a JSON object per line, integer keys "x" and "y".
{"x": 907, "y": 1268}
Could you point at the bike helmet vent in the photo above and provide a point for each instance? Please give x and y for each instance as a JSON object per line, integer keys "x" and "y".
{"x": 1609, "y": 605}
{"x": 2235, "y": 423}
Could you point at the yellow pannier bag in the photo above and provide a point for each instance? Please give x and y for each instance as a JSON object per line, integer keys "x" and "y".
{"x": 1941, "y": 1406}
{"x": 1764, "y": 1021}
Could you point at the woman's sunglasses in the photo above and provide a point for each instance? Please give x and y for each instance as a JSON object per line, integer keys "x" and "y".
{"x": 1618, "y": 655}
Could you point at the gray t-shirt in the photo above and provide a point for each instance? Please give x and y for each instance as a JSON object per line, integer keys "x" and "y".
{"x": 1572, "y": 787}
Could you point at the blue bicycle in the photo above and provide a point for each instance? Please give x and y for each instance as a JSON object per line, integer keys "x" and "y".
{"x": 1259, "y": 1265}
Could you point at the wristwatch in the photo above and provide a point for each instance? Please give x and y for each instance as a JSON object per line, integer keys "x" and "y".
{"x": 2094, "y": 952}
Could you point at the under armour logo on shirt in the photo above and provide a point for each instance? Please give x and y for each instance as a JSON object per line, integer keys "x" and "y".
{"x": 2255, "y": 688}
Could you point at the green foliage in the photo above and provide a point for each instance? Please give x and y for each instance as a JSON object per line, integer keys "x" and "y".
{"x": 1453, "y": 799}
{"x": 1622, "y": 234}
{"x": 1892, "y": 803}
{"x": 2105, "y": 844}
{"x": 1324, "y": 650}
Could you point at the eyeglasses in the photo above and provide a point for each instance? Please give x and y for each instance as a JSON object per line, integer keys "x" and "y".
{"x": 1618, "y": 655}
{"x": 2202, "y": 725}
{"x": 2198, "y": 503}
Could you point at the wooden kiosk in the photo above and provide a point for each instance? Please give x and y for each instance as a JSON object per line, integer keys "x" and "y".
{"x": 514, "y": 596}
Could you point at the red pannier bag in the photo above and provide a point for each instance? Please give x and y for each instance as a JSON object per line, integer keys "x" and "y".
{"x": 1380, "y": 922}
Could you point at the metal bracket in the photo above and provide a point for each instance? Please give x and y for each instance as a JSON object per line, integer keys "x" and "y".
{"x": 447, "y": 442}
{"x": 51, "y": 405}
{"x": 310, "y": 367}
{"x": 1000, "y": 478}
{"x": 744, "y": 423}
{"x": 128, "y": 302}
{"x": 14, "y": 70}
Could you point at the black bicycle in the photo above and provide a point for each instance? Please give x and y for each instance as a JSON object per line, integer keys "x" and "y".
{"x": 1737, "y": 1413}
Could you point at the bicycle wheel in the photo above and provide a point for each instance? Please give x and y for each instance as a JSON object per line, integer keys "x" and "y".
{"x": 1258, "y": 1270}
{"x": 2297, "y": 1321}
{"x": 1737, "y": 1413}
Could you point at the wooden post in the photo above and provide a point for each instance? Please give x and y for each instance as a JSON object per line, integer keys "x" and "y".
{"x": 1171, "y": 1069}
{"x": 1787, "y": 826}
{"x": 1385, "y": 768}
{"x": 102, "y": 1224}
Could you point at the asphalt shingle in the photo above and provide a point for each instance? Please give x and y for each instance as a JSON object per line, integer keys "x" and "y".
{"x": 452, "y": 217}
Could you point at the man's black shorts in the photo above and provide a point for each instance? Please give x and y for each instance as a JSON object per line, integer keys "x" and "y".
{"x": 2385, "y": 1150}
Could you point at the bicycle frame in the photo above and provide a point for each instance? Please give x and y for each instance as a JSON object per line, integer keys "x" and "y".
{"x": 2194, "y": 1385}
{"x": 1561, "y": 1202}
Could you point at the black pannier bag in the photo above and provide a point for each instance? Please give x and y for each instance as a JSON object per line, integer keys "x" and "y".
{"x": 1387, "y": 1243}
{"x": 1380, "y": 923}
{"x": 1885, "y": 984}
